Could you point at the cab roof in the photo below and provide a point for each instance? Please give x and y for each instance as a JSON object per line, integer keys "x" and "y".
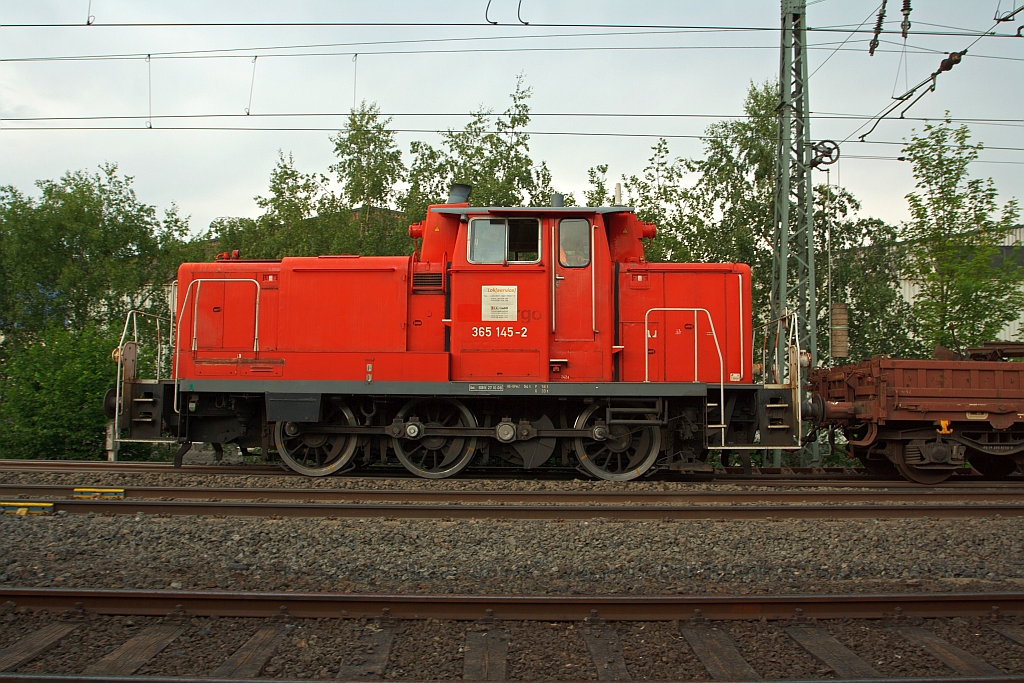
{"x": 533, "y": 210}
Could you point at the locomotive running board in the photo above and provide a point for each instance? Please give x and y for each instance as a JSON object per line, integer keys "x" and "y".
{"x": 602, "y": 389}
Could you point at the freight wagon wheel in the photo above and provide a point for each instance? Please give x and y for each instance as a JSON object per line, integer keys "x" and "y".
{"x": 919, "y": 474}
{"x": 317, "y": 453}
{"x": 436, "y": 457}
{"x": 627, "y": 452}
{"x": 992, "y": 466}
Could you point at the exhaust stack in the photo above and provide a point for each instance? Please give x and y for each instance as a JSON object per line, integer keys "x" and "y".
{"x": 459, "y": 193}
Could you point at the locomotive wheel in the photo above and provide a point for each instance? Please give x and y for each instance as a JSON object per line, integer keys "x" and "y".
{"x": 920, "y": 475}
{"x": 313, "y": 453}
{"x": 992, "y": 466}
{"x": 628, "y": 452}
{"x": 436, "y": 457}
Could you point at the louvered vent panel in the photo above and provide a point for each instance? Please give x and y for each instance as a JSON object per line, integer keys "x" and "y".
{"x": 427, "y": 281}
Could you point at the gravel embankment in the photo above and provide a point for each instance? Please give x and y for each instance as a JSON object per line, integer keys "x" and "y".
{"x": 284, "y": 480}
{"x": 433, "y": 650}
{"x": 511, "y": 556}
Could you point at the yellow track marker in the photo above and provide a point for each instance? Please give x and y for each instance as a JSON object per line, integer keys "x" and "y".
{"x": 21, "y": 507}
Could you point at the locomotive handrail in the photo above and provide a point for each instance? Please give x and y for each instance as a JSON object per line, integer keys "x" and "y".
{"x": 554, "y": 274}
{"x": 742, "y": 334}
{"x": 793, "y": 368}
{"x": 195, "y": 308}
{"x": 718, "y": 348}
{"x": 593, "y": 277}
{"x": 132, "y": 318}
{"x": 794, "y": 340}
{"x": 593, "y": 283}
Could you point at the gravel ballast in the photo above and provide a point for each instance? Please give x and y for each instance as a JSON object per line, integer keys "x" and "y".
{"x": 511, "y": 556}
{"x": 342, "y": 482}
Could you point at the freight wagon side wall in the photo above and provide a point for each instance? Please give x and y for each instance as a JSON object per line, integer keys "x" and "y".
{"x": 884, "y": 390}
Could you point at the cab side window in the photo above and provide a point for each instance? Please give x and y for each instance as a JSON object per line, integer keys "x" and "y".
{"x": 523, "y": 240}
{"x": 497, "y": 240}
{"x": 487, "y": 240}
{"x": 574, "y": 242}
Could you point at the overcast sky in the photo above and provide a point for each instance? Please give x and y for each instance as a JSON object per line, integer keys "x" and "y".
{"x": 428, "y": 70}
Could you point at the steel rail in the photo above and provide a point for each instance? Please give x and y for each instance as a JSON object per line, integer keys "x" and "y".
{"x": 123, "y": 466}
{"x": 833, "y": 476}
{"x": 80, "y": 678}
{"x": 559, "y": 512}
{"x": 10, "y": 492}
{"x": 509, "y": 607}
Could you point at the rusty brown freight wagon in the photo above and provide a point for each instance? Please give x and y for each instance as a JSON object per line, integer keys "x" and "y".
{"x": 925, "y": 418}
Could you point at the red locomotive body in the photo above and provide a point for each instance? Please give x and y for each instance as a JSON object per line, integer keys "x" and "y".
{"x": 523, "y": 335}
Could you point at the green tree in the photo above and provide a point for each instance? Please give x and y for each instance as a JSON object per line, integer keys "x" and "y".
{"x": 301, "y": 217}
{"x": 732, "y": 201}
{"x": 74, "y": 260}
{"x": 954, "y": 241}
{"x": 859, "y": 262}
{"x": 721, "y": 208}
{"x": 491, "y": 155}
{"x": 660, "y": 197}
{"x": 369, "y": 168}
{"x": 598, "y": 194}
{"x": 84, "y": 252}
{"x": 369, "y": 161}
{"x": 51, "y": 398}
{"x": 718, "y": 207}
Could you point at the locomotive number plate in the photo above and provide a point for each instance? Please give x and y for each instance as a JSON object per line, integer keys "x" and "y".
{"x": 499, "y": 331}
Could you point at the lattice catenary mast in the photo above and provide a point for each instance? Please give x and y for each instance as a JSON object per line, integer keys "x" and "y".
{"x": 793, "y": 286}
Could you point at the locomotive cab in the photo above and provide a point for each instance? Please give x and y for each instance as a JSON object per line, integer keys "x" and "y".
{"x": 525, "y": 297}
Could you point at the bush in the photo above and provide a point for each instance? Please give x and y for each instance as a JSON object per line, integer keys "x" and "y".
{"x": 51, "y": 395}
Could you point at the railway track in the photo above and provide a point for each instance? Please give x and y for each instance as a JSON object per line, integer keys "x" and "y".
{"x": 128, "y": 467}
{"x": 44, "y": 678}
{"x": 600, "y": 625}
{"x": 623, "y": 496}
{"x": 512, "y": 607}
{"x": 795, "y": 476}
{"x": 502, "y": 504}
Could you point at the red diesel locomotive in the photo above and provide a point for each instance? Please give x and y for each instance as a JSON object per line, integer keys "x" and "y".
{"x": 526, "y": 335}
